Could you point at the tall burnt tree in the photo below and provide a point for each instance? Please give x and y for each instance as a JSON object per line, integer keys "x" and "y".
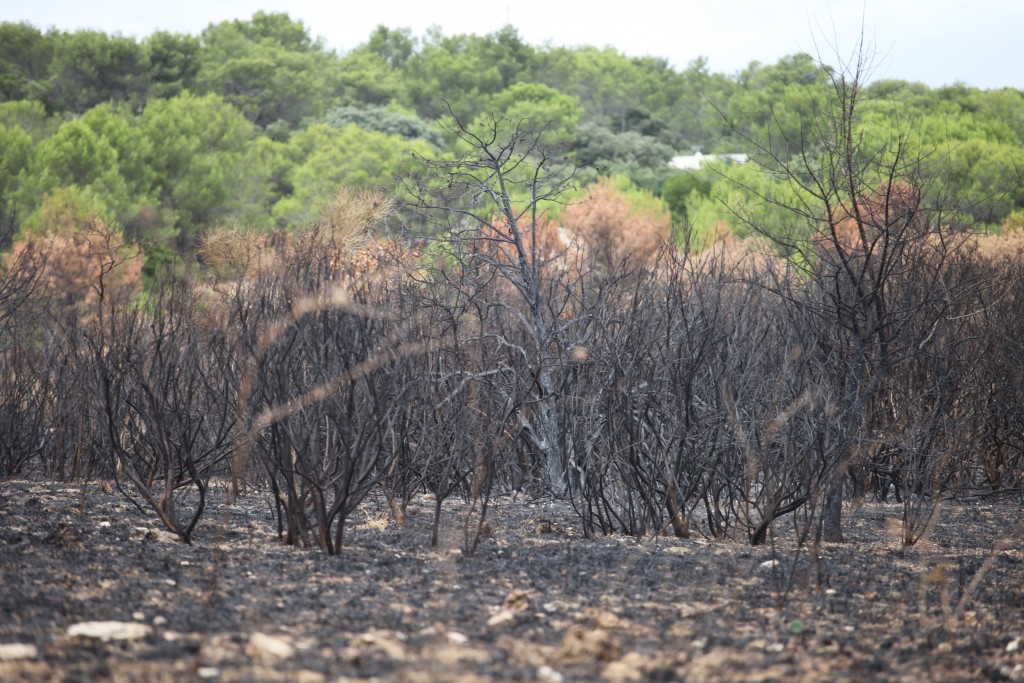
{"x": 882, "y": 239}
{"x": 487, "y": 210}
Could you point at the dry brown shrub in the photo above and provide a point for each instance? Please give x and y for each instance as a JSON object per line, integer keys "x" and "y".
{"x": 1006, "y": 247}
{"x": 345, "y": 226}
{"x": 388, "y": 259}
{"x": 350, "y": 217}
{"x": 82, "y": 263}
{"x": 556, "y": 251}
{"x": 614, "y": 228}
{"x": 336, "y": 253}
{"x": 888, "y": 207}
{"x": 234, "y": 251}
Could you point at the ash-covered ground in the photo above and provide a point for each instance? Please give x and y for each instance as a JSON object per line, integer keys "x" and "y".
{"x": 537, "y": 602}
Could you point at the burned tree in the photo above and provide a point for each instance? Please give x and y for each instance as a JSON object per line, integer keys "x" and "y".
{"x": 878, "y": 244}
{"x": 487, "y": 209}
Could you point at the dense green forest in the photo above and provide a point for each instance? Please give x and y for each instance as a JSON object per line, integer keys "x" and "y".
{"x": 256, "y": 123}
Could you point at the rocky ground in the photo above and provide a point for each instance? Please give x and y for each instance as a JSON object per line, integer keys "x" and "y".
{"x": 538, "y": 601}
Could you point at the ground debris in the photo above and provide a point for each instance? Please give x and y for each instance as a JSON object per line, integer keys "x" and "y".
{"x": 269, "y": 648}
{"x": 552, "y": 606}
{"x": 12, "y": 651}
{"x": 107, "y": 631}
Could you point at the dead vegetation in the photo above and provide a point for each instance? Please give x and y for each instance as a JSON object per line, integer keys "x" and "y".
{"x": 506, "y": 459}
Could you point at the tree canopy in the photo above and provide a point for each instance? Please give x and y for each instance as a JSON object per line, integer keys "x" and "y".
{"x": 258, "y": 121}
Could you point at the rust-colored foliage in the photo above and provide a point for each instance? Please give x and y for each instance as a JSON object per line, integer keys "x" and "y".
{"x": 895, "y": 213}
{"x": 614, "y": 227}
{"x": 83, "y": 264}
{"x": 887, "y": 212}
{"x": 343, "y": 230}
{"x": 554, "y": 250}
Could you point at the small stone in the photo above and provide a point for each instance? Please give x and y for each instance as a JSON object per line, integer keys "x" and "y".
{"x": 268, "y": 648}
{"x": 775, "y": 647}
{"x": 185, "y": 563}
{"x": 104, "y": 524}
{"x": 770, "y": 564}
{"x": 1013, "y": 645}
{"x": 503, "y": 617}
{"x": 387, "y": 644}
{"x": 518, "y": 600}
{"x": 159, "y": 620}
{"x": 109, "y": 630}
{"x": 546, "y": 673}
{"x": 139, "y": 616}
{"x": 629, "y": 669}
{"x": 13, "y": 651}
{"x": 586, "y": 645}
{"x": 306, "y": 644}
{"x": 944, "y": 648}
{"x": 456, "y": 638}
{"x": 206, "y": 672}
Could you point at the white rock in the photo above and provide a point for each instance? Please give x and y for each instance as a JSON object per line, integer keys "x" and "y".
{"x": 12, "y": 651}
{"x": 770, "y": 564}
{"x": 505, "y": 616}
{"x": 208, "y": 672}
{"x": 109, "y": 630}
{"x": 159, "y": 620}
{"x": 1013, "y": 645}
{"x": 546, "y": 673}
{"x": 104, "y": 524}
{"x": 262, "y": 646}
{"x": 139, "y": 616}
{"x": 456, "y": 638}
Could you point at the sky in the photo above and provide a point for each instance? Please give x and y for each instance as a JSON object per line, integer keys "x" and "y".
{"x": 937, "y": 42}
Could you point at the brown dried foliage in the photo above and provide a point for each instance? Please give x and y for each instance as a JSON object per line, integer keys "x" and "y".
{"x": 83, "y": 265}
{"x": 614, "y": 228}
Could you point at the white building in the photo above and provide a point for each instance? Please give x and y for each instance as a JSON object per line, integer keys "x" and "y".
{"x": 693, "y": 162}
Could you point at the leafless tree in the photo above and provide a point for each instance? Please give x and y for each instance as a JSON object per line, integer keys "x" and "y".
{"x": 882, "y": 237}
{"x": 488, "y": 212}
{"x": 168, "y": 403}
